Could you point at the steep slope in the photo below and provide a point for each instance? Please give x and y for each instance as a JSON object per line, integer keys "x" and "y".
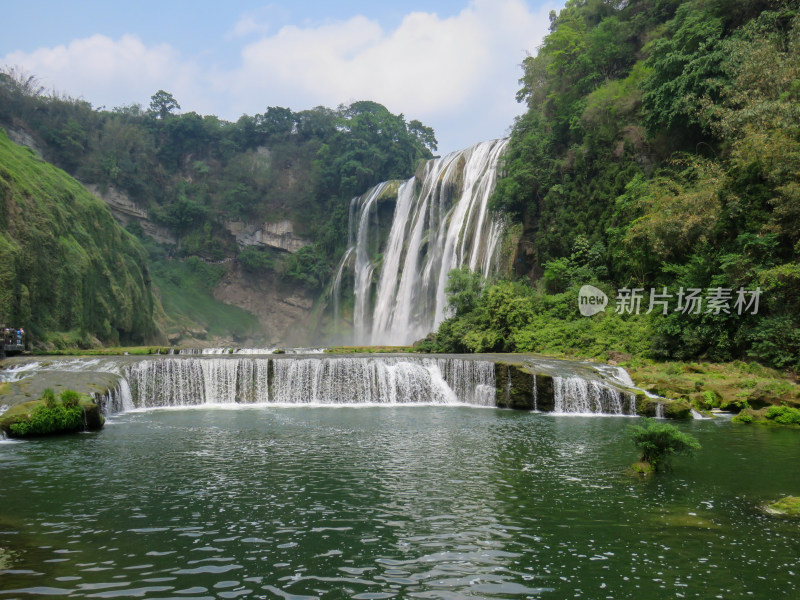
{"x": 659, "y": 157}
{"x": 68, "y": 271}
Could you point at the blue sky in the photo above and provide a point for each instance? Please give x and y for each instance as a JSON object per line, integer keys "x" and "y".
{"x": 452, "y": 64}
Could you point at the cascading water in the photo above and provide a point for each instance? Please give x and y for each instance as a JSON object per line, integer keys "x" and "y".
{"x": 577, "y": 395}
{"x": 116, "y": 399}
{"x": 440, "y": 222}
{"x": 377, "y": 380}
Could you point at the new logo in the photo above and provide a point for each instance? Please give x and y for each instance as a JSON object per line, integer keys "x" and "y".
{"x": 591, "y": 300}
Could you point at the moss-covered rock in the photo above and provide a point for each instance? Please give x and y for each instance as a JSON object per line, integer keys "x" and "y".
{"x": 781, "y": 416}
{"x": 49, "y": 416}
{"x": 677, "y": 409}
{"x": 515, "y": 386}
{"x": 785, "y": 507}
{"x": 671, "y": 409}
{"x": 67, "y": 265}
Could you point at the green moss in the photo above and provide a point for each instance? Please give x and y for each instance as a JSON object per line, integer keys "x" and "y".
{"x": 785, "y": 507}
{"x": 65, "y": 263}
{"x": 733, "y": 387}
{"x": 48, "y": 415}
{"x": 643, "y": 468}
{"x": 515, "y": 387}
{"x": 784, "y": 415}
{"x": 186, "y": 291}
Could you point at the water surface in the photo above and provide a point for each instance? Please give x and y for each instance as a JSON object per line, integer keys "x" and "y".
{"x": 392, "y": 502}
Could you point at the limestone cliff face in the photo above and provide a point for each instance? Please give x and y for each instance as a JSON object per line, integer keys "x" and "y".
{"x": 278, "y": 235}
{"x": 127, "y": 211}
{"x": 284, "y": 312}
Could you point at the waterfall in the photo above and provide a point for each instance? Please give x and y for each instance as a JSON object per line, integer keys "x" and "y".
{"x": 577, "y": 395}
{"x": 116, "y": 399}
{"x": 336, "y": 289}
{"x": 440, "y": 222}
{"x": 375, "y": 380}
{"x": 231, "y": 350}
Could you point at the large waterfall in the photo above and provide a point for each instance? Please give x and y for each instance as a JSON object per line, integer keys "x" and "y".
{"x": 162, "y": 382}
{"x": 440, "y": 222}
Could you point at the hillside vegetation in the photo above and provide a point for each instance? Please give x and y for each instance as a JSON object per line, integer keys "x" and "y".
{"x": 68, "y": 271}
{"x": 660, "y": 150}
{"x": 194, "y": 176}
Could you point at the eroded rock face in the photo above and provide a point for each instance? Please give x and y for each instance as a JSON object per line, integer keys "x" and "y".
{"x": 278, "y": 235}
{"x": 23, "y": 138}
{"x": 127, "y": 211}
{"x": 282, "y": 312}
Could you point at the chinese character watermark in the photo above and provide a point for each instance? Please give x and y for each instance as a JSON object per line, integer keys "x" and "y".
{"x": 687, "y": 301}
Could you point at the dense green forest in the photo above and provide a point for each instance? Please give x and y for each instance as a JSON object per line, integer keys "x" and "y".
{"x": 195, "y": 174}
{"x": 660, "y": 149}
{"x": 69, "y": 274}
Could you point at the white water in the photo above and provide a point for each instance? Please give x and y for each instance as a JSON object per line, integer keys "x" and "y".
{"x": 247, "y": 351}
{"x": 576, "y": 395}
{"x": 386, "y": 380}
{"x": 440, "y": 222}
{"x": 116, "y": 399}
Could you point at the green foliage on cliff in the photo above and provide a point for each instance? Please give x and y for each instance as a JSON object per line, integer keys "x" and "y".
{"x": 194, "y": 173}
{"x": 661, "y": 148}
{"x": 514, "y": 317}
{"x": 65, "y": 263}
{"x": 186, "y": 293}
{"x": 198, "y": 177}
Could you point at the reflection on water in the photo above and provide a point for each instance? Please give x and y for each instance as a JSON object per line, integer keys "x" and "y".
{"x": 391, "y": 502}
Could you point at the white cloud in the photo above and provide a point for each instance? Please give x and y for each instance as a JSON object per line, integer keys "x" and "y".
{"x": 258, "y": 21}
{"x": 109, "y": 72}
{"x": 458, "y": 74}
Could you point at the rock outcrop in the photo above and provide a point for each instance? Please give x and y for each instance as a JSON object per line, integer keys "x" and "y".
{"x": 127, "y": 211}
{"x": 283, "y": 311}
{"x": 278, "y": 235}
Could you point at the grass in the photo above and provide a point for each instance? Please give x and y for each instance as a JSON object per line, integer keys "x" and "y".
{"x": 65, "y": 264}
{"x": 728, "y": 386}
{"x": 186, "y": 294}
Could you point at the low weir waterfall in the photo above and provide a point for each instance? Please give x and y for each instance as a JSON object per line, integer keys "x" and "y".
{"x": 537, "y": 384}
{"x": 582, "y": 396}
{"x": 164, "y": 382}
{"x": 440, "y": 221}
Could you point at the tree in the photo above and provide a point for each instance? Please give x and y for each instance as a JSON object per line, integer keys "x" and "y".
{"x": 659, "y": 441}
{"x": 463, "y": 290}
{"x": 162, "y": 104}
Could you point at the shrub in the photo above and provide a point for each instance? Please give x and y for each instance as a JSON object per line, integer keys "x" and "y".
{"x": 70, "y": 398}
{"x": 659, "y": 441}
{"x": 49, "y": 398}
{"x": 785, "y": 415}
{"x": 51, "y": 416}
